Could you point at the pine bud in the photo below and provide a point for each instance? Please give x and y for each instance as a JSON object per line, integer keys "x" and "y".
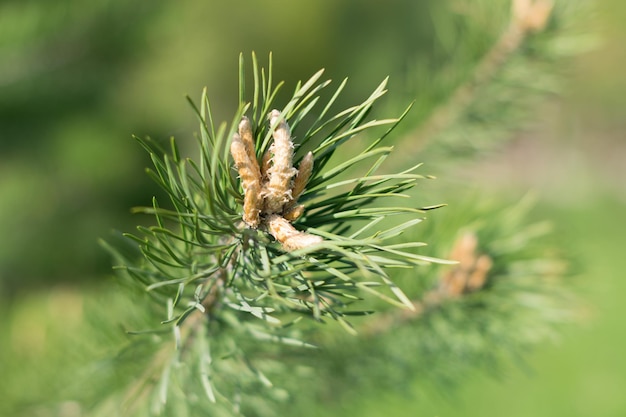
{"x": 252, "y": 203}
{"x": 278, "y": 190}
{"x": 478, "y": 277}
{"x": 250, "y": 181}
{"x": 290, "y": 238}
{"x": 532, "y": 15}
{"x": 265, "y": 164}
{"x": 302, "y": 178}
{"x": 471, "y": 272}
{"x": 294, "y": 213}
{"x": 539, "y": 14}
{"x": 245, "y": 132}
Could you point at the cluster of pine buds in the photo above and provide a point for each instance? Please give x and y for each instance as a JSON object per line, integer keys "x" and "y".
{"x": 472, "y": 270}
{"x": 531, "y": 15}
{"x": 272, "y": 188}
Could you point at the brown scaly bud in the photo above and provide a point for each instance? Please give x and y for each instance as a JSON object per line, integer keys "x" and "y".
{"x": 471, "y": 272}
{"x": 539, "y": 14}
{"x": 302, "y": 178}
{"x": 245, "y": 132}
{"x": 252, "y": 203}
{"x": 532, "y": 15}
{"x": 250, "y": 180}
{"x": 478, "y": 277}
{"x": 278, "y": 191}
{"x": 294, "y": 213}
{"x": 246, "y": 170}
{"x": 290, "y": 238}
{"x": 265, "y": 164}
{"x": 464, "y": 251}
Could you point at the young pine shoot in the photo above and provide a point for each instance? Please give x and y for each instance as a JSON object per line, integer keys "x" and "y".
{"x": 263, "y": 231}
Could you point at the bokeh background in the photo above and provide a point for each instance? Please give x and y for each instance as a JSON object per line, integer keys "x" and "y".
{"x": 78, "y": 78}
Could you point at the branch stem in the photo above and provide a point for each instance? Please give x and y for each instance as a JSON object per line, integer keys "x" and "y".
{"x": 526, "y": 19}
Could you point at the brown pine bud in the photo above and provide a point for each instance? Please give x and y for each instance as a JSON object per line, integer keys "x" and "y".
{"x": 250, "y": 181}
{"x": 294, "y": 213}
{"x": 252, "y": 203}
{"x": 471, "y": 272}
{"x": 278, "y": 190}
{"x": 453, "y": 283}
{"x": 537, "y": 18}
{"x": 532, "y": 15}
{"x": 265, "y": 164}
{"x": 302, "y": 178}
{"x": 245, "y": 132}
{"x": 246, "y": 170}
{"x": 464, "y": 251}
{"x": 290, "y": 238}
{"x": 478, "y": 277}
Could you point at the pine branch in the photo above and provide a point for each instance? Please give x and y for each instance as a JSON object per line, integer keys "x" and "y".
{"x": 527, "y": 18}
{"x": 504, "y": 297}
{"x": 242, "y": 256}
{"x": 247, "y": 261}
{"x": 503, "y": 87}
{"x": 253, "y": 255}
{"x": 274, "y": 273}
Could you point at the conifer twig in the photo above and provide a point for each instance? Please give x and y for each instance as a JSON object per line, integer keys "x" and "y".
{"x": 468, "y": 276}
{"x": 527, "y": 17}
{"x": 218, "y": 272}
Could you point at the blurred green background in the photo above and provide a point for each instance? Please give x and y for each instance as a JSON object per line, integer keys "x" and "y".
{"x": 78, "y": 78}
